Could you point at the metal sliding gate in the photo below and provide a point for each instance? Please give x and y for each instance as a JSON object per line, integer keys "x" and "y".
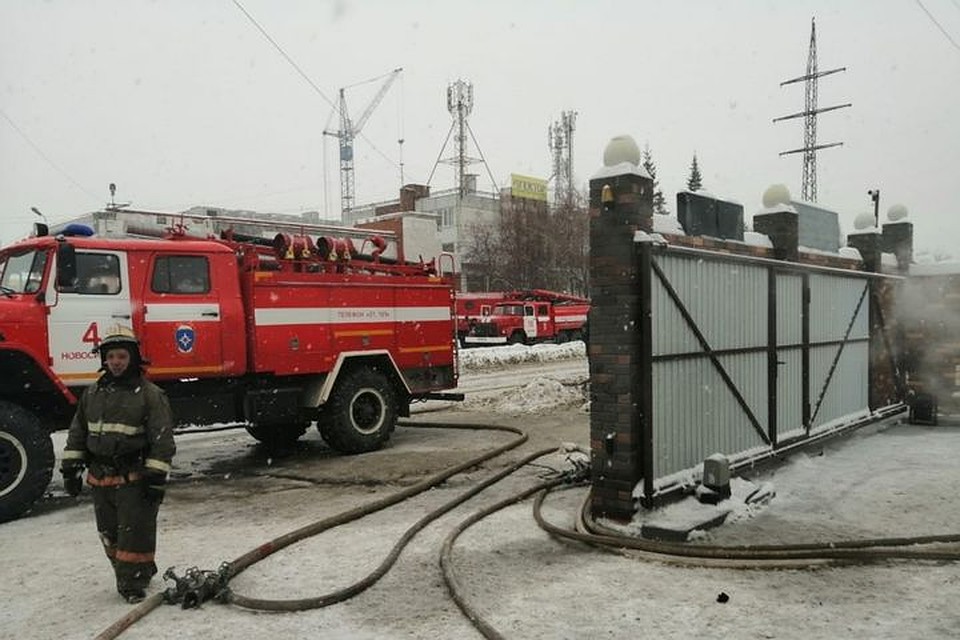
{"x": 745, "y": 357}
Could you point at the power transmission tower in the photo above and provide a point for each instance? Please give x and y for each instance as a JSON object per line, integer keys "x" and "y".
{"x": 560, "y": 141}
{"x": 809, "y": 114}
{"x": 350, "y": 129}
{"x": 460, "y": 105}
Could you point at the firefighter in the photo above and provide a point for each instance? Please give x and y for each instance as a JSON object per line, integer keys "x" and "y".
{"x": 123, "y": 434}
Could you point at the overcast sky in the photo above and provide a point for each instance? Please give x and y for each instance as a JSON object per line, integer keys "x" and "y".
{"x": 184, "y": 103}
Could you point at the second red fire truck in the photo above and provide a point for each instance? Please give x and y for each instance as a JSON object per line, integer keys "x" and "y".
{"x": 527, "y": 317}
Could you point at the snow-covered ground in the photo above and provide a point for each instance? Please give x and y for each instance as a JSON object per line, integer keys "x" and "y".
{"x": 477, "y": 358}
{"x": 891, "y": 480}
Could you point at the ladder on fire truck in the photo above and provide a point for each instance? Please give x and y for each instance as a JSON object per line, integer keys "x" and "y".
{"x": 124, "y": 222}
{"x": 121, "y": 221}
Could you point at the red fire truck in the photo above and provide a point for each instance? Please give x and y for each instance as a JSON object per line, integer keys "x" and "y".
{"x": 472, "y": 307}
{"x": 536, "y": 315}
{"x": 274, "y": 333}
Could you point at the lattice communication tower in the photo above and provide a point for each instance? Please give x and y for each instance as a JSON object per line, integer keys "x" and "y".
{"x": 460, "y": 105}
{"x": 560, "y": 141}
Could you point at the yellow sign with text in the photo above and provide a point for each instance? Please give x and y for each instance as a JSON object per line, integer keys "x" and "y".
{"x": 527, "y": 187}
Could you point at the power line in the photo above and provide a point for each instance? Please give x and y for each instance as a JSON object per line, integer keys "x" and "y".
{"x": 942, "y": 30}
{"x": 303, "y": 74}
{"x": 284, "y": 54}
{"x": 45, "y": 157}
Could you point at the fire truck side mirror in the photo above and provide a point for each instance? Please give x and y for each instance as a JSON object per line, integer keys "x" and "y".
{"x": 66, "y": 266}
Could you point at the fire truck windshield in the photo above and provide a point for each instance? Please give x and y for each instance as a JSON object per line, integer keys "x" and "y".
{"x": 22, "y": 272}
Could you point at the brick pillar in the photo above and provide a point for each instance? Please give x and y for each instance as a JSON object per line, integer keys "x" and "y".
{"x": 869, "y": 244}
{"x": 783, "y": 229}
{"x": 898, "y": 239}
{"x": 615, "y": 347}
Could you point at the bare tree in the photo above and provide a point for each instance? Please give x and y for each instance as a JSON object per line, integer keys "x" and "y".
{"x": 571, "y": 230}
{"x": 483, "y": 259}
{"x": 533, "y": 247}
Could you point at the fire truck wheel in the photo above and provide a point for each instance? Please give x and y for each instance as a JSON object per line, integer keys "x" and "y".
{"x": 517, "y": 337}
{"x": 278, "y": 435}
{"x": 361, "y": 413}
{"x": 26, "y": 460}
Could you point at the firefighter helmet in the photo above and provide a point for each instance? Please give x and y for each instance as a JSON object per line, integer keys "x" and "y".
{"x": 122, "y": 337}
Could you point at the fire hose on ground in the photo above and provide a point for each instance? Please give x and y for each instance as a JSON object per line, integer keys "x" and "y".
{"x": 197, "y": 586}
{"x": 801, "y": 555}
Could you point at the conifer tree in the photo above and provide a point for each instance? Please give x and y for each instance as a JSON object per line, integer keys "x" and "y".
{"x": 695, "y": 181}
{"x": 659, "y": 204}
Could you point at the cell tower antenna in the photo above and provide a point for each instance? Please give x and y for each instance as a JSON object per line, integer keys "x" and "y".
{"x": 460, "y": 105}
{"x": 809, "y": 114}
{"x": 560, "y": 142}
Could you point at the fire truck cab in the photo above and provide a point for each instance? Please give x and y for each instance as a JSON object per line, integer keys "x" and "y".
{"x": 274, "y": 333}
{"x": 473, "y": 307}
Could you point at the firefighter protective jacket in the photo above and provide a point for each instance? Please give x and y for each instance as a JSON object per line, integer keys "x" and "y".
{"x": 122, "y": 430}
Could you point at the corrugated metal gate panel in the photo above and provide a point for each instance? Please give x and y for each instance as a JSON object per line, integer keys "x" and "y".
{"x": 789, "y": 308}
{"x": 711, "y": 290}
{"x": 847, "y": 392}
{"x": 789, "y": 303}
{"x": 695, "y": 412}
{"x": 833, "y": 302}
{"x": 789, "y": 385}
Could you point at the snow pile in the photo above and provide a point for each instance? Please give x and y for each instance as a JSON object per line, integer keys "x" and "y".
{"x": 538, "y": 395}
{"x": 491, "y": 357}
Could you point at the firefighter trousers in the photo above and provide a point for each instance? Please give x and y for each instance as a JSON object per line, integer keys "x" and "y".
{"x": 127, "y": 524}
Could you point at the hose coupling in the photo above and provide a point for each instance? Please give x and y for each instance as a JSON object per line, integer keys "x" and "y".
{"x": 196, "y": 586}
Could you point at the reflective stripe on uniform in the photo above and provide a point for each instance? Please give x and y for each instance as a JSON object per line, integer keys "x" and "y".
{"x": 133, "y": 556}
{"x": 70, "y": 454}
{"x": 116, "y": 427}
{"x": 109, "y": 548}
{"x": 112, "y": 481}
{"x": 159, "y": 465}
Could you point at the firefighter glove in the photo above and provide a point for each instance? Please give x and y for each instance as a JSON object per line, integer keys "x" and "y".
{"x": 154, "y": 486}
{"x": 72, "y": 480}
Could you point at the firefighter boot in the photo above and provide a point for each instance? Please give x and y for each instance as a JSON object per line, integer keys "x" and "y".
{"x": 133, "y": 596}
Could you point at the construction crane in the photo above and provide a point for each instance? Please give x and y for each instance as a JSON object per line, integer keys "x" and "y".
{"x": 350, "y": 129}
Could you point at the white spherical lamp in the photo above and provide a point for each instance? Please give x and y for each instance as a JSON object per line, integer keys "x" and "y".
{"x": 897, "y": 212}
{"x": 621, "y": 149}
{"x": 864, "y": 220}
{"x": 776, "y": 194}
